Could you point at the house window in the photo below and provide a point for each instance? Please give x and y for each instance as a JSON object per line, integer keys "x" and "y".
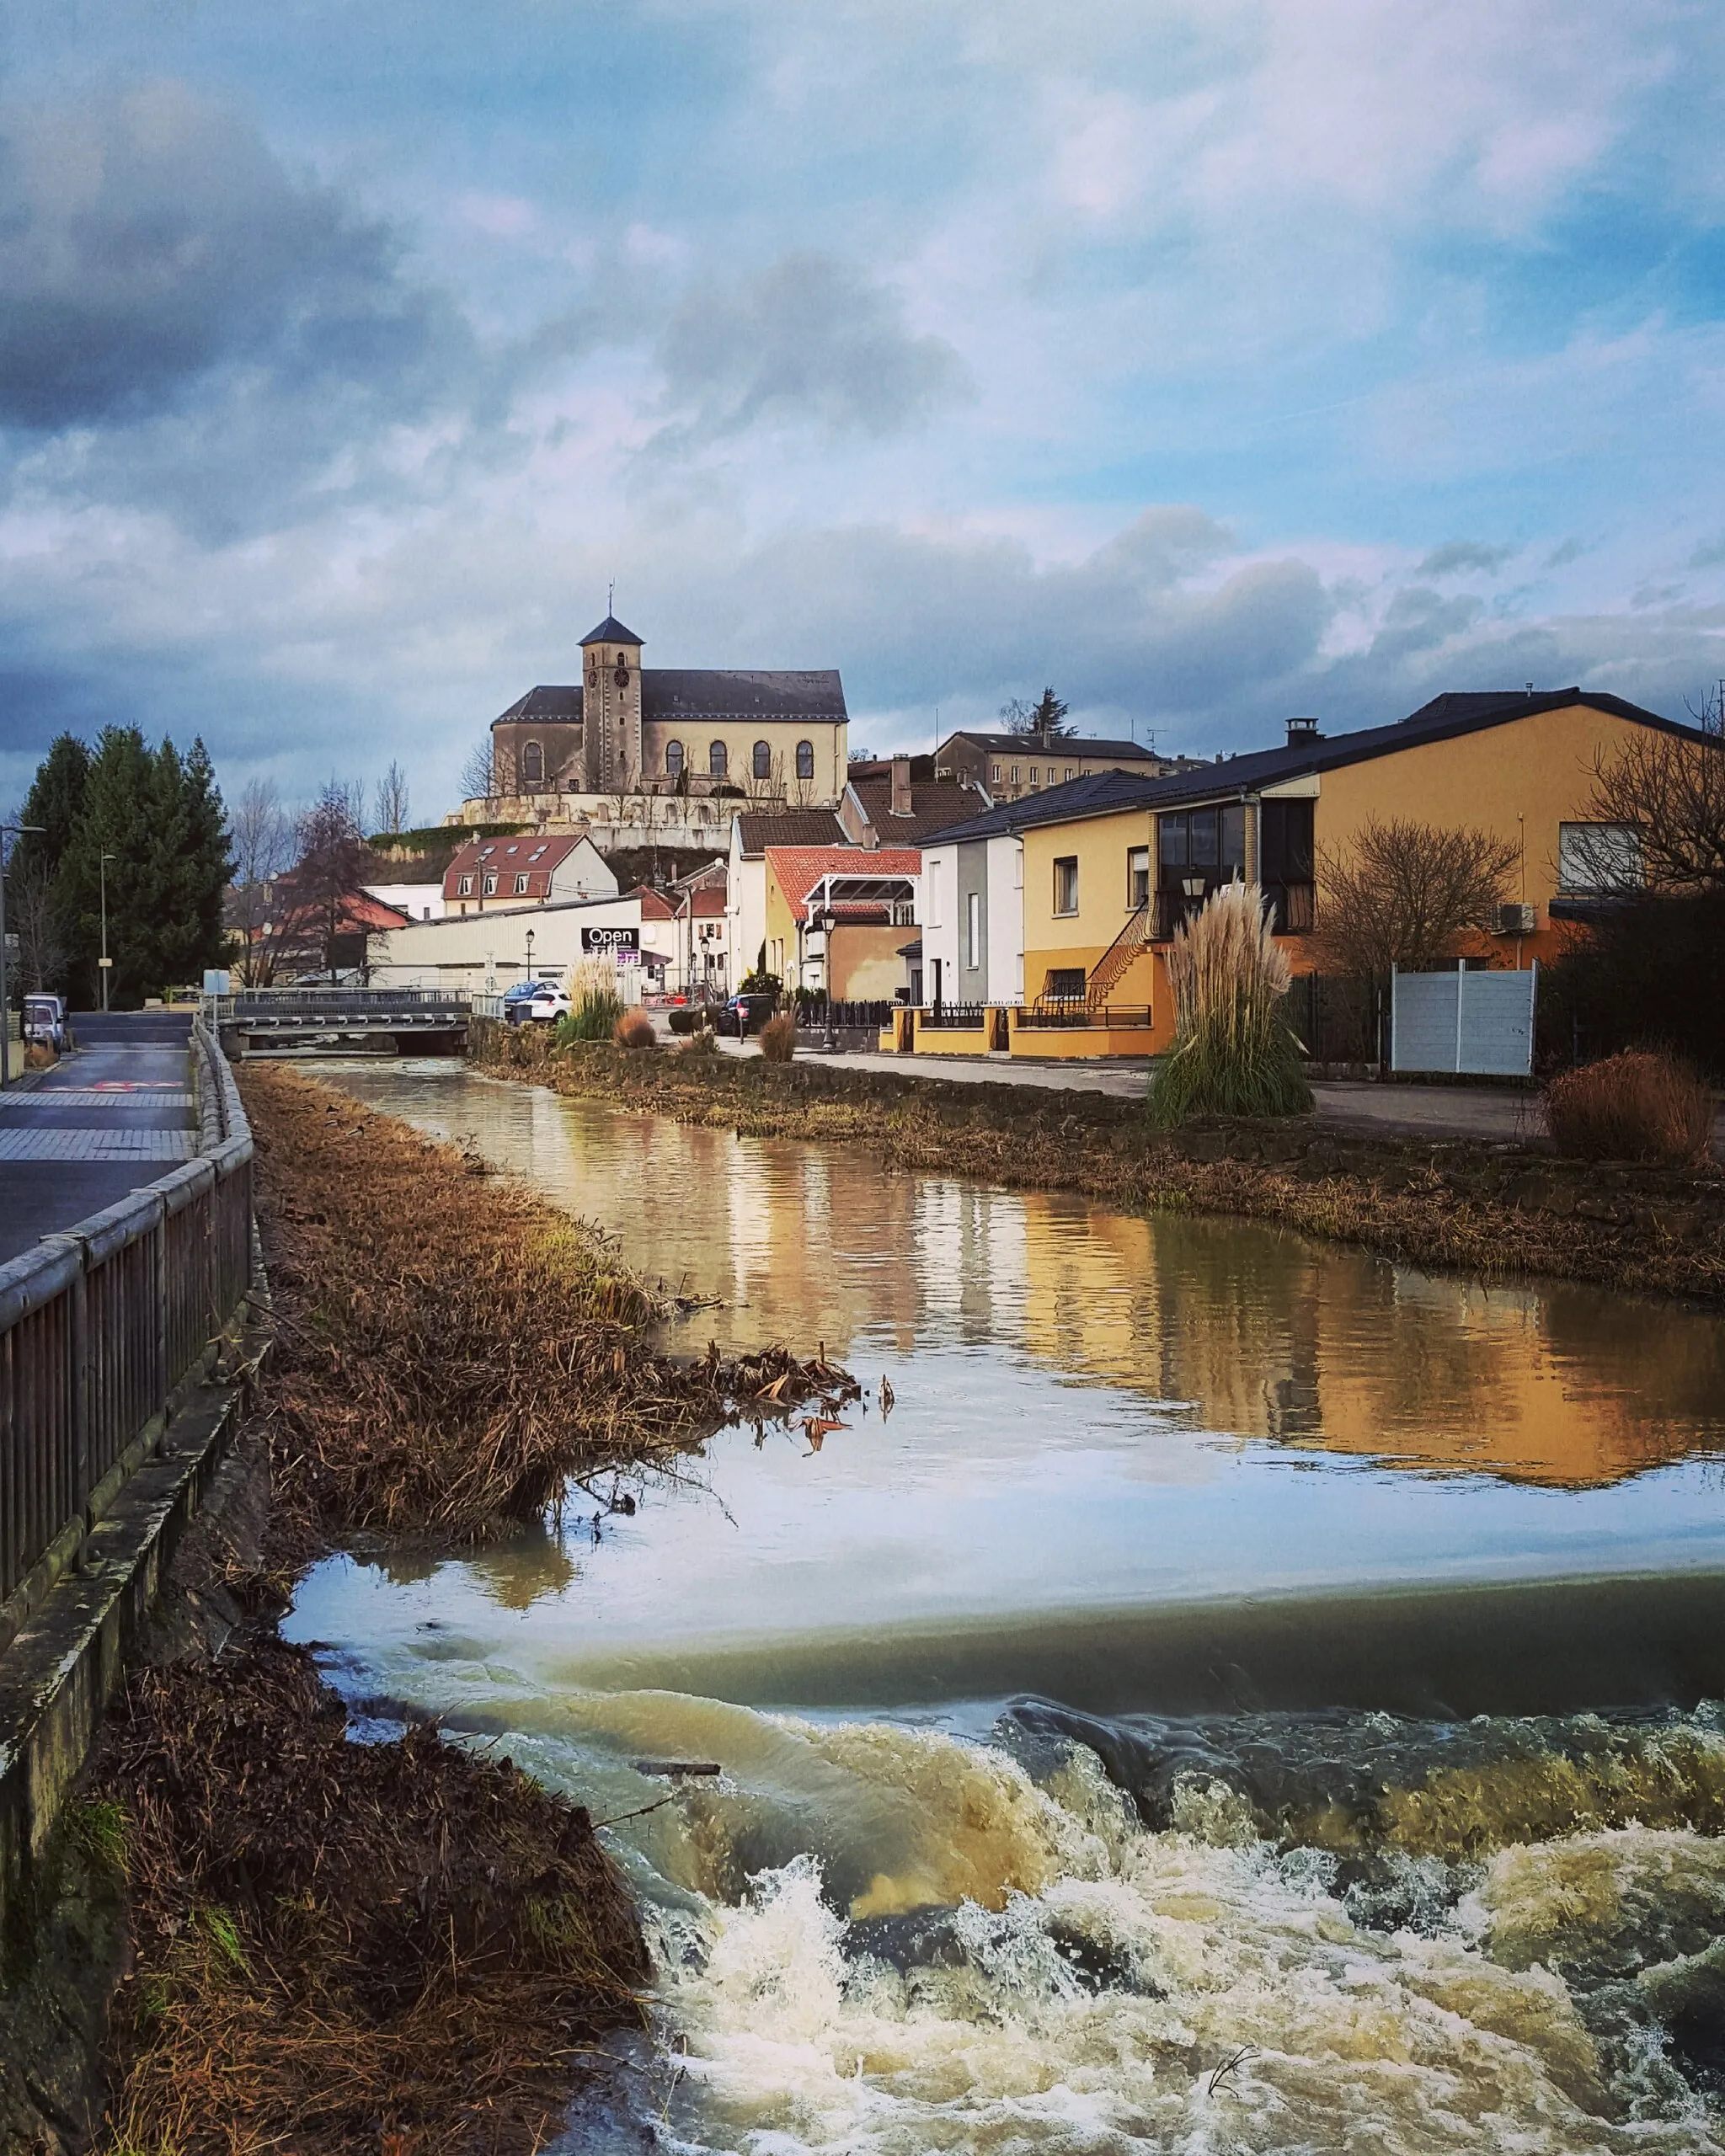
{"x": 533, "y": 763}
{"x": 1598, "y": 857}
{"x": 994, "y": 770}
{"x": 805, "y": 759}
{"x": 1015, "y": 775}
{"x": 717, "y": 762}
{"x": 1206, "y": 842}
{"x": 973, "y": 929}
{"x": 1066, "y": 985}
{"x": 673, "y": 759}
{"x": 1066, "y": 884}
{"x": 1035, "y": 778}
{"x": 760, "y": 762}
{"x": 1065, "y": 774}
{"x": 520, "y": 887}
{"x": 491, "y": 886}
{"x": 1138, "y": 877}
{"x": 937, "y": 878}
{"x": 466, "y": 887}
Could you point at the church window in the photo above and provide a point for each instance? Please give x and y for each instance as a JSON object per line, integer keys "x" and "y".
{"x": 718, "y": 763}
{"x": 673, "y": 759}
{"x": 805, "y": 759}
{"x": 763, "y": 760}
{"x": 533, "y": 763}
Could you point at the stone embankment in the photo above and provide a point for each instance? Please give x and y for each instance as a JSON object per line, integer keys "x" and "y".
{"x": 1492, "y": 1210}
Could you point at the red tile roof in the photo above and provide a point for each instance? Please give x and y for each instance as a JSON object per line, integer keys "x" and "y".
{"x": 524, "y": 855}
{"x": 796, "y": 869}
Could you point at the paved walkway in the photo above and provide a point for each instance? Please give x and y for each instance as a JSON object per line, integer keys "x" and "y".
{"x": 104, "y": 1120}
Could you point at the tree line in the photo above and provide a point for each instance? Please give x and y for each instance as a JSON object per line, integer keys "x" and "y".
{"x": 144, "y": 827}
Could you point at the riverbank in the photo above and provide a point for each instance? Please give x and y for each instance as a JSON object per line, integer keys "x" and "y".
{"x": 1491, "y": 1211}
{"x": 400, "y": 1945}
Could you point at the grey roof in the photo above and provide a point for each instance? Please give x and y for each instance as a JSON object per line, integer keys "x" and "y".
{"x": 791, "y": 827}
{"x": 610, "y": 631}
{"x": 561, "y": 701}
{"x": 673, "y": 692}
{"x": 1442, "y": 719}
{"x": 1072, "y": 744}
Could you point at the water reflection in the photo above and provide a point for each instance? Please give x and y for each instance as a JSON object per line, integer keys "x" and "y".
{"x": 1263, "y": 1335}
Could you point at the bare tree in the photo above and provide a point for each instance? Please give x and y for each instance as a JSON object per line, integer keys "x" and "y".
{"x": 393, "y": 799}
{"x": 325, "y": 881}
{"x": 34, "y": 915}
{"x": 479, "y": 779}
{"x": 263, "y": 846}
{"x": 1401, "y": 893}
{"x": 771, "y": 785}
{"x": 1656, "y": 816}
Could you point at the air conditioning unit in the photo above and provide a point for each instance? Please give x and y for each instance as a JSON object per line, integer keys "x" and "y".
{"x": 1516, "y": 920}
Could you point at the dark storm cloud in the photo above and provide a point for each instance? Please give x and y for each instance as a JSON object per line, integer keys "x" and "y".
{"x": 810, "y": 340}
{"x": 150, "y": 239}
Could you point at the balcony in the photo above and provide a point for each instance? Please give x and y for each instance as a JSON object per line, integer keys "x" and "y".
{"x": 1293, "y": 908}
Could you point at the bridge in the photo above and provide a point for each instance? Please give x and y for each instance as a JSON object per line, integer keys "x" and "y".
{"x": 340, "y": 1020}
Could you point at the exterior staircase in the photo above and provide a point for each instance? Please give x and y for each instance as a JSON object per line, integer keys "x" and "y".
{"x": 1112, "y": 968}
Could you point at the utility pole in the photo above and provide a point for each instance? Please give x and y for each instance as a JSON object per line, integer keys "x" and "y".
{"x": 17, "y": 830}
{"x": 105, "y": 961}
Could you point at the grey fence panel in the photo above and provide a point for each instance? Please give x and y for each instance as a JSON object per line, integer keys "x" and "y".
{"x": 1479, "y": 1023}
{"x": 99, "y": 1325}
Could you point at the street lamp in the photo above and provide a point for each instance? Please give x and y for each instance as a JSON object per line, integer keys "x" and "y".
{"x": 18, "y": 830}
{"x": 104, "y": 960}
{"x": 530, "y": 955}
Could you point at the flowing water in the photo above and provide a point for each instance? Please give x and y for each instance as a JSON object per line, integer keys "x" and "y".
{"x": 1244, "y": 1695}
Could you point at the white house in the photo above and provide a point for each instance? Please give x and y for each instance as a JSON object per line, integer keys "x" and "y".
{"x": 418, "y": 901}
{"x": 972, "y": 914}
{"x": 485, "y": 952}
{"x": 745, "y": 880}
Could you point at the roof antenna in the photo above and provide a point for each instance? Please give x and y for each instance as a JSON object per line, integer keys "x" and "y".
{"x": 610, "y": 603}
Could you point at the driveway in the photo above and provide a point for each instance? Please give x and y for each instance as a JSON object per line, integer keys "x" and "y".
{"x": 108, "y": 1119}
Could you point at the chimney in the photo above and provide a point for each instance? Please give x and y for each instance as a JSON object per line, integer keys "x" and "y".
{"x": 899, "y": 802}
{"x": 1301, "y": 732}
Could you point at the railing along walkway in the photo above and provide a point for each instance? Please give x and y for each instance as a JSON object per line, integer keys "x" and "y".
{"x": 99, "y": 1328}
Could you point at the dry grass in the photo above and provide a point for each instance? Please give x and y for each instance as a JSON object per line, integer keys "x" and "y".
{"x": 392, "y": 1947}
{"x": 634, "y": 1029}
{"x": 450, "y": 1351}
{"x": 1233, "y": 1053}
{"x": 1633, "y": 1107}
{"x": 778, "y": 1038}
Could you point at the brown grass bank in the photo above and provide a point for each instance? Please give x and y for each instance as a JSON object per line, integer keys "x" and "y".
{"x": 398, "y": 1947}
{"x": 1494, "y": 1211}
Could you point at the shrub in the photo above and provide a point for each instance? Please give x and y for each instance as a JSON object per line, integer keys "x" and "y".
{"x": 1233, "y": 1052}
{"x": 779, "y": 1038}
{"x": 634, "y": 1029}
{"x": 703, "y": 1041}
{"x": 595, "y": 1006}
{"x": 1650, "y": 973}
{"x": 1634, "y": 1107}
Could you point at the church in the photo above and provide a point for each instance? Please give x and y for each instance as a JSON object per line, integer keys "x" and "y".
{"x": 699, "y": 733}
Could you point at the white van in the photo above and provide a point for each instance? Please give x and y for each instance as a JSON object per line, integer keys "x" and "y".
{"x": 45, "y": 1020}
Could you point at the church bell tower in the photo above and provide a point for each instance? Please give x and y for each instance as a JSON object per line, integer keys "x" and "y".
{"x": 613, "y": 739}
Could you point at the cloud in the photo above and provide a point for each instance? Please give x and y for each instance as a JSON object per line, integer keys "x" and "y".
{"x": 810, "y": 341}
{"x": 148, "y": 239}
{"x": 1464, "y": 558}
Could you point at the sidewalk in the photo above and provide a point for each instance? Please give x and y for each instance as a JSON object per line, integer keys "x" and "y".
{"x": 104, "y": 1121}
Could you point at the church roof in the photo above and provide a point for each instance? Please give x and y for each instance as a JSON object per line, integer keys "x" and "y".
{"x": 610, "y": 631}
{"x": 550, "y": 700}
{"x": 690, "y": 693}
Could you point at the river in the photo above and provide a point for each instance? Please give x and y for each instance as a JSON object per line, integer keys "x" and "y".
{"x": 1244, "y": 1694}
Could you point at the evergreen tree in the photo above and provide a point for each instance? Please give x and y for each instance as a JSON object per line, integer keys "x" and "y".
{"x": 117, "y": 820}
{"x": 54, "y": 801}
{"x": 208, "y": 866}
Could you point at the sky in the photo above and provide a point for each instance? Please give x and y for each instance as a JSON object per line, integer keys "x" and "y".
{"x": 1213, "y": 360}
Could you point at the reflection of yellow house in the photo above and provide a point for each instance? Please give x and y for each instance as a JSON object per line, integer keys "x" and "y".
{"x": 1109, "y": 865}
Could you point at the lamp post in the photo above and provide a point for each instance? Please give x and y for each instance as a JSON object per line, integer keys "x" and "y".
{"x": 17, "y": 830}
{"x": 530, "y": 955}
{"x": 104, "y": 962}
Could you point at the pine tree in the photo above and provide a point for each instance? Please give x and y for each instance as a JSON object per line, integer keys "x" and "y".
{"x": 119, "y": 802}
{"x": 209, "y": 866}
{"x": 54, "y": 801}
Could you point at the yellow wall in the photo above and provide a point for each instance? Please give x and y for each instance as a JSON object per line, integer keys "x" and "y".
{"x": 863, "y": 965}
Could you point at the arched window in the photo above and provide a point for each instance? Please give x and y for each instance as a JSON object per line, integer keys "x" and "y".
{"x": 763, "y": 760}
{"x": 533, "y": 765}
{"x": 805, "y": 759}
{"x": 673, "y": 759}
{"x": 718, "y": 763}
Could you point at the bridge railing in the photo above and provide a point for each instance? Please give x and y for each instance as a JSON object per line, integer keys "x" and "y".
{"x": 99, "y": 1328}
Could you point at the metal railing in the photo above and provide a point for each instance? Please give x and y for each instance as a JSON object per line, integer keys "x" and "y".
{"x": 98, "y": 1327}
{"x": 959, "y": 1018}
{"x": 1057, "y": 1014}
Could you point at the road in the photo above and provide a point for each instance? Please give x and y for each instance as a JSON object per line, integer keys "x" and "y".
{"x": 1493, "y": 1114}
{"x": 104, "y": 1121}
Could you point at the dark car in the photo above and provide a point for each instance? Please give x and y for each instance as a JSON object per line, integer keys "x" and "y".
{"x": 745, "y": 1014}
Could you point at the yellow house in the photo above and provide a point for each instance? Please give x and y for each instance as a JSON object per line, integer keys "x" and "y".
{"x": 837, "y": 917}
{"x": 1109, "y": 865}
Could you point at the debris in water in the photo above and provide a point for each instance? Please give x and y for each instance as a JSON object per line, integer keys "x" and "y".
{"x": 676, "y": 1766}
{"x": 887, "y": 1397}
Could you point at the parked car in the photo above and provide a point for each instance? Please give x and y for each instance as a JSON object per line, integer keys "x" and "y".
{"x": 518, "y": 1001}
{"x": 45, "y": 1020}
{"x": 547, "y": 1005}
{"x": 745, "y": 1014}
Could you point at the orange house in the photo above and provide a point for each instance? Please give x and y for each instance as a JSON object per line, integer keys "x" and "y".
{"x": 1109, "y": 866}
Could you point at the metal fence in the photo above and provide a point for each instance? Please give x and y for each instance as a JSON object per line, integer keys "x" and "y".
{"x": 100, "y": 1325}
{"x": 1477, "y": 1022}
{"x": 959, "y": 1017}
{"x": 1057, "y": 1015}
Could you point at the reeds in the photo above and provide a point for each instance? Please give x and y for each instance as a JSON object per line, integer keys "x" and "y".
{"x": 1638, "y": 1106}
{"x": 596, "y": 1008}
{"x": 778, "y": 1038}
{"x": 339, "y": 1946}
{"x": 449, "y": 1352}
{"x": 1233, "y": 1053}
